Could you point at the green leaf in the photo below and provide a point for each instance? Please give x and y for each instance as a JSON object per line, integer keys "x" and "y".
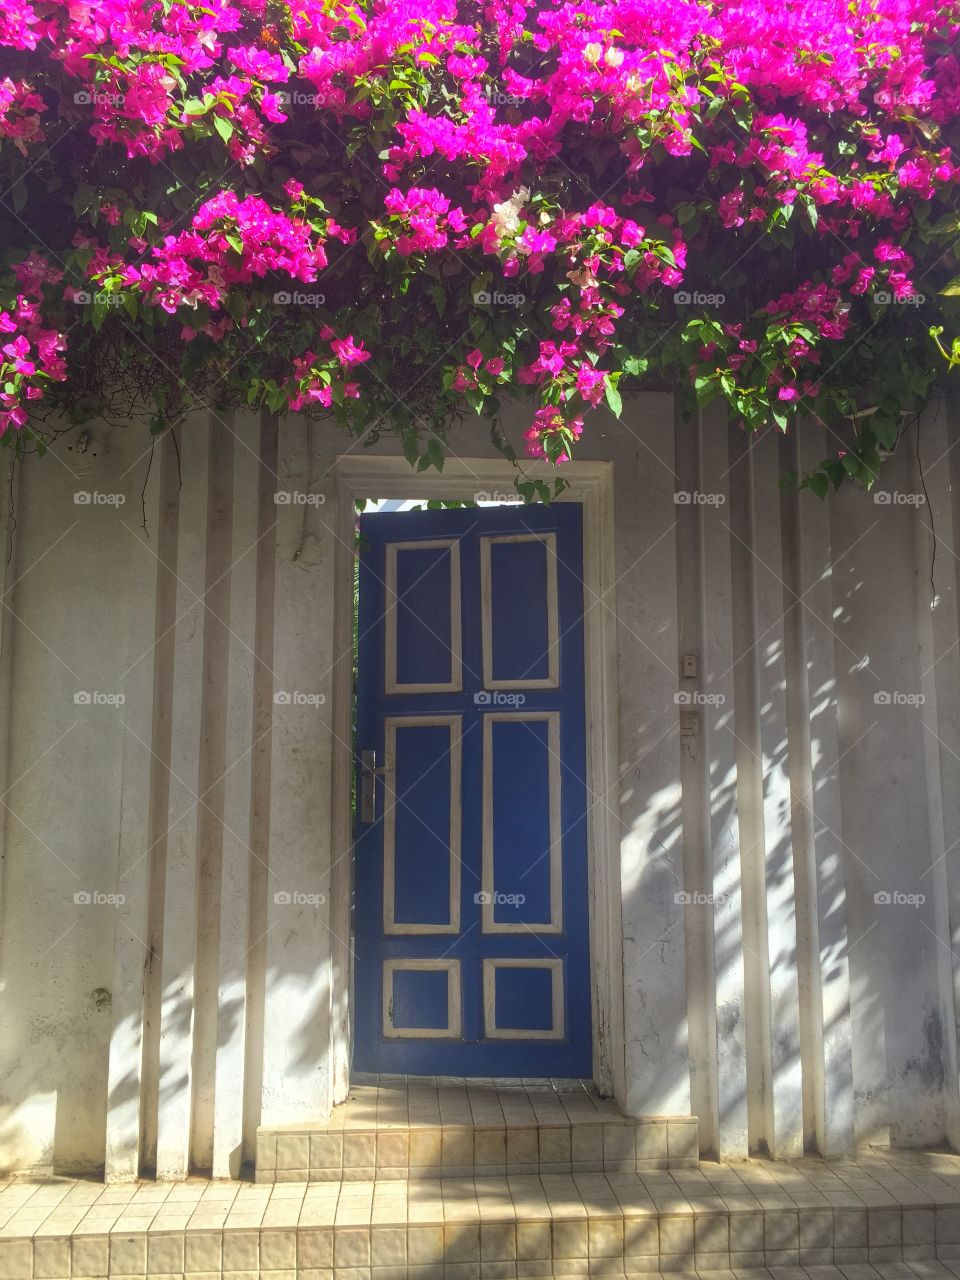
{"x": 613, "y": 398}
{"x": 886, "y": 428}
{"x": 818, "y": 483}
{"x": 439, "y": 295}
{"x": 948, "y": 224}
{"x": 411, "y": 447}
{"x": 82, "y": 199}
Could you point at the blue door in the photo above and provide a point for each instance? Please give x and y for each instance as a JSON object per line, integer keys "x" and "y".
{"x": 472, "y": 947}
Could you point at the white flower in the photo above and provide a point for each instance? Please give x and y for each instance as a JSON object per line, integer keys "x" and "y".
{"x": 506, "y": 216}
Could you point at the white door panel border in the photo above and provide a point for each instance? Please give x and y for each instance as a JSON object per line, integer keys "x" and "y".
{"x": 552, "y": 680}
{"x": 553, "y": 854}
{"x": 454, "y": 1003}
{"x": 390, "y": 924}
{"x": 391, "y": 683}
{"x": 490, "y": 1028}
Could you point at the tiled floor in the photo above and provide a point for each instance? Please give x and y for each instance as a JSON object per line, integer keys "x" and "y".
{"x": 868, "y": 1218}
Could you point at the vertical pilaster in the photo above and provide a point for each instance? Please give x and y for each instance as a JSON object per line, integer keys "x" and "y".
{"x": 142, "y": 668}
{"x": 784, "y": 1137}
{"x": 238, "y": 801}
{"x": 697, "y": 892}
{"x": 936, "y": 473}
{"x": 816, "y": 817}
{"x": 715, "y": 717}
{"x": 297, "y": 1008}
{"x": 175, "y": 1076}
{"x": 652, "y": 879}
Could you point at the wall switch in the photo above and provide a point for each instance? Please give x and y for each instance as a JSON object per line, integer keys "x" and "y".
{"x": 689, "y": 724}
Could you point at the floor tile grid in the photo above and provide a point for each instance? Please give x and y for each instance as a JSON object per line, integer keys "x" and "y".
{"x": 333, "y": 1155}
{"x": 602, "y": 1242}
{"x": 589, "y": 1190}
{"x": 602, "y": 1246}
{"x": 35, "y": 1205}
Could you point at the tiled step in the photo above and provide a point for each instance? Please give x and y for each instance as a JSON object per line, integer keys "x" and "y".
{"x": 729, "y": 1218}
{"x": 406, "y": 1127}
{"x": 314, "y": 1154}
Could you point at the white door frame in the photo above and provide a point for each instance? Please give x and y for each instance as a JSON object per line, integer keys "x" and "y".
{"x": 590, "y": 483}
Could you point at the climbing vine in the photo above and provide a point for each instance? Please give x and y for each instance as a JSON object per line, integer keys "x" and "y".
{"x": 401, "y": 212}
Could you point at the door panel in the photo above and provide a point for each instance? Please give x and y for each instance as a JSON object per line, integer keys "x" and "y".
{"x": 422, "y": 588}
{"x": 421, "y": 835}
{"x": 471, "y": 890}
{"x": 522, "y": 883}
{"x": 520, "y": 649}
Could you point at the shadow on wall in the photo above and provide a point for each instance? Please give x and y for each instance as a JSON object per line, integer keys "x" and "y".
{"x": 122, "y": 845}
{"x": 798, "y": 845}
{"x": 737, "y": 950}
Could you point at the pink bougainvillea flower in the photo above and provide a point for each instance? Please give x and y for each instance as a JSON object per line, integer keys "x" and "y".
{"x": 348, "y": 352}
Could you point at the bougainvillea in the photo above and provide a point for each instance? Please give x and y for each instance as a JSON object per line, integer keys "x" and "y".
{"x": 397, "y": 211}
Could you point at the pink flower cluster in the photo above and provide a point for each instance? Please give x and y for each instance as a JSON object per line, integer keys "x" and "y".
{"x": 231, "y": 242}
{"x": 422, "y": 220}
{"x": 31, "y": 353}
{"x": 798, "y": 322}
{"x": 550, "y": 435}
{"x": 477, "y": 371}
{"x": 323, "y": 380}
{"x": 20, "y": 110}
{"x": 469, "y": 135}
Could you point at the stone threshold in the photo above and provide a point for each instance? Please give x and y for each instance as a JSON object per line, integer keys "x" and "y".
{"x": 869, "y": 1219}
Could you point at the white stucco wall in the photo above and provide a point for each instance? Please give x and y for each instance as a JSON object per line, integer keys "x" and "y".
{"x": 783, "y": 1005}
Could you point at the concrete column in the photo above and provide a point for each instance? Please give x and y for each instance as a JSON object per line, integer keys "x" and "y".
{"x": 715, "y": 718}
{"x": 744, "y": 726}
{"x": 297, "y": 1008}
{"x": 9, "y": 488}
{"x": 149, "y": 547}
{"x": 767, "y": 847}
{"x": 211, "y": 834}
{"x": 936, "y": 474}
{"x": 652, "y": 862}
{"x": 261, "y": 755}
{"x": 238, "y": 801}
{"x": 9, "y": 485}
{"x": 713, "y": 914}
{"x": 816, "y": 817}
{"x": 175, "y": 1077}
{"x": 698, "y": 922}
